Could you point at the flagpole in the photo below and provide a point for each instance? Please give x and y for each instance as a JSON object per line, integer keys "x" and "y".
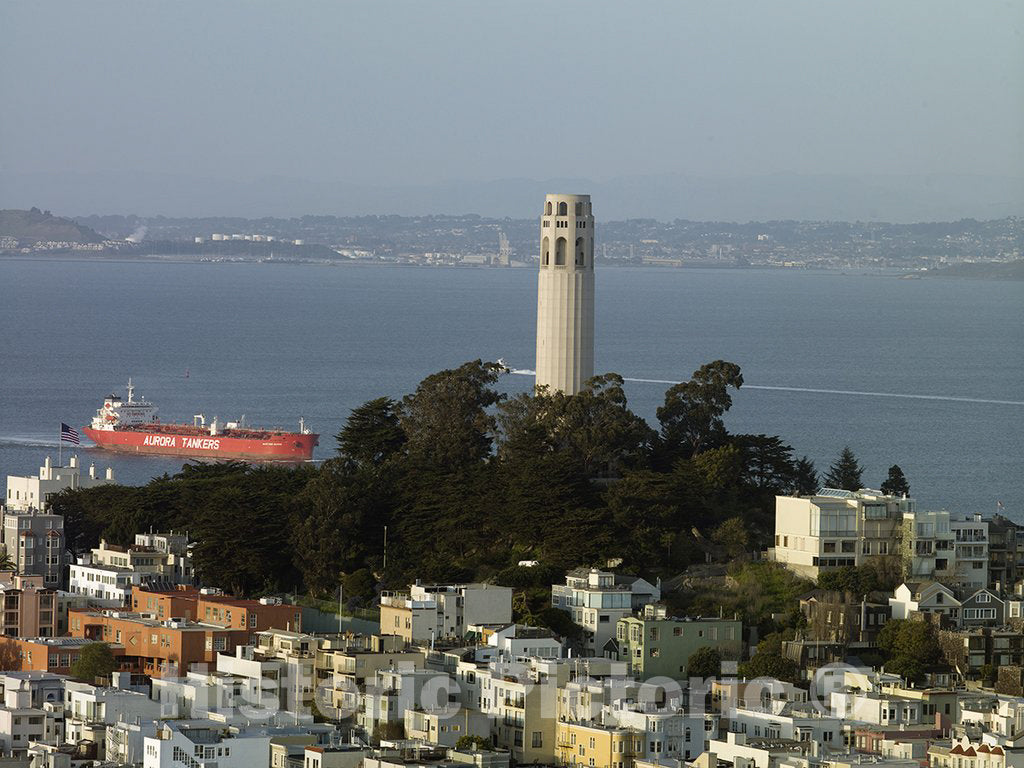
{"x": 60, "y": 446}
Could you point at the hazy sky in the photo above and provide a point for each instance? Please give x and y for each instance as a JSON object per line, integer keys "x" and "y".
{"x": 421, "y": 93}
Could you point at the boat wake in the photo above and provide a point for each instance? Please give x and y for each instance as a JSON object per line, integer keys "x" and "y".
{"x": 28, "y": 441}
{"x": 816, "y": 391}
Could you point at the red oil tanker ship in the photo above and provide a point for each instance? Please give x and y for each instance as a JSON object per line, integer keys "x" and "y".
{"x": 132, "y": 426}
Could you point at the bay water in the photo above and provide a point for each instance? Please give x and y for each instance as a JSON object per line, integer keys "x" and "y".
{"x": 822, "y": 354}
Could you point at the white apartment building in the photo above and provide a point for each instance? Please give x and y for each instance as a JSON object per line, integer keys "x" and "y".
{"x": 107, "y": 574}
{"x": 878, "y": 709}
{"x": 22, "y": 723}
{"x": 523, "y": 711}
{"x": 445, "y": 727}
{"x": 836, "y": 528}
{"x": 659, "y": 734}
{"x": 787, "y": 720}
{"x": 205, "y": 745}
{"x": 125, "y": 740}
{"x": 1001, "y": 719}
{"x": 394, "y": 692}
{"x": 515, "y": 641}
{"x": 243, "y": 689}
{"x": 939, "y": 547}
{"x": 443, "y": 611}
{"x": 970, "y": 536}
{"x": 598, "y": 599}
{"x": 26, "y": 492}
{"x": 740, "y": 749}
{"x": 89, "y": 710}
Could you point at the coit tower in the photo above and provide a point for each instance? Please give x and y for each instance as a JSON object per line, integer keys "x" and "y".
{"x": 565, "y": 294}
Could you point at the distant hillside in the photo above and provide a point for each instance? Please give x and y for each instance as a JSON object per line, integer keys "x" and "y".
{"x": 35, "y": 226}
{"x": 1009, "y": 270}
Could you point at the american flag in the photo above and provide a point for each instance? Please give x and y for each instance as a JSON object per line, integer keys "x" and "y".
{"x": 69, "y": 434}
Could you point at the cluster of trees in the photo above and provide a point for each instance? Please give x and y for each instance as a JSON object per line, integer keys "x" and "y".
{"x": 910, "y": 647}
{"x": 238, "y": 515}
{"x": 883, "y": 575}
{"x": 846, "y": 473}
{"x": 459, "y": 481}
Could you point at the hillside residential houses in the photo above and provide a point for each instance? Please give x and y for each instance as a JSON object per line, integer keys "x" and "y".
{"x": 597, "y": 599}
{"x": 655, "y": 644}
{"x": 448, "y": 677}
{"x": 443, "y": 611}
{"x": 837, "y": 528}
{"x": 107, "y": 574}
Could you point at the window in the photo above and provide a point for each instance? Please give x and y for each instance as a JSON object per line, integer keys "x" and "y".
{"x": 560, "y": 248}
{"x": 830, "y": 546}
{"x": 537, "y": 740}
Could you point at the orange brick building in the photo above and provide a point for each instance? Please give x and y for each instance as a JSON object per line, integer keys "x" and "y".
{"x": 222, "y": 610}
{"x": 157, "y": 648}
{"x": 55, "y": 654}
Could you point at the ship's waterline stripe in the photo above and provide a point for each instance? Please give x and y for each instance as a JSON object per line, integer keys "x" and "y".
{"x": 812, "y": 390}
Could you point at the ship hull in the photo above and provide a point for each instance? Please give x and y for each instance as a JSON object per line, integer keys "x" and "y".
{"x": 281, "y": 446}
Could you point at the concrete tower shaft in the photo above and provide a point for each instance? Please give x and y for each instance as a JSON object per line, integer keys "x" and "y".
{"x": 565, "y": 294}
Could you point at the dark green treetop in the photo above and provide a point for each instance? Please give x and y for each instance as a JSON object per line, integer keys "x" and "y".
{"x": 896, "y": 482}
{"x": 845, "y": 472}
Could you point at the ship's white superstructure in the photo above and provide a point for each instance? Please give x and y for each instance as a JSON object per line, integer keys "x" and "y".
{"x": 126, "y": 413}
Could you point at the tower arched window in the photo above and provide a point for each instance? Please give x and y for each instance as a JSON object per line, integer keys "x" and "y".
{"x": 563, "y": 209}
{"x": 547, "y": 209}
{"x": 545, "y": 249}
{"x": 579, "y": 209}
{"x": 581, "y": 256}
{"x": 560, "y": 245}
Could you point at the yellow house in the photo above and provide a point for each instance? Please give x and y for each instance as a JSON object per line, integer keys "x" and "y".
{"x": 594, "y": 745}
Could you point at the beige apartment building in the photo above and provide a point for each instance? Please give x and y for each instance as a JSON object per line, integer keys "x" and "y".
{"x": 836, "y": 528}
{"x": 443, "y": 611}
{"x": 30, "y": 608}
